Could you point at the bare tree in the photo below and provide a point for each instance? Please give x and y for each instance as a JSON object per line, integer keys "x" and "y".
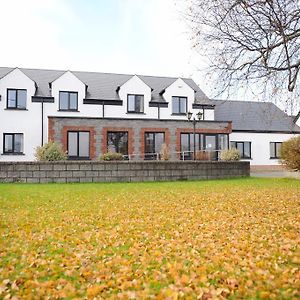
{"x": 249, "y": 42}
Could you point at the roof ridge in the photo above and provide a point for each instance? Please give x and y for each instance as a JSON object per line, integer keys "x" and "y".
{"x": 65, "y": 70}
{"x": 98, "y": 72}
{"x": 109, "y": 73}
{"x": 39, "y": 69}
{"x": 170, "y": 77}
{"x": 244, "y": 101}
{"x": 136, "y": 74}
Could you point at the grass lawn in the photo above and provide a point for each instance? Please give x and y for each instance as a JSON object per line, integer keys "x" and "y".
{"x": 234, "y": 239}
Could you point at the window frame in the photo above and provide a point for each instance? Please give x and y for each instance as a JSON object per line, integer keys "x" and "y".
{"x": 13, "y": 144}
{"x": 214, "y": 154}
{"x": 118, "y": 132}
{"x": 189, "y": 155}
{"x": 151, "y": 155}
{"x": 243, "y": 143}
{"x": 16, "y": 106}
{"x": 134, "y": 111}
{"x": 68, "y": 109}
{"x": 77, "y": 157}
{"x": 275, "y": 150}
{"x": 186, "y": 105}
{"x": 219, "y": 142}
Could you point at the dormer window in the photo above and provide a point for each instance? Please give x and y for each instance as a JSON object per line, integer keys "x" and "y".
{"x": 179, "y": 105}
{"x": 135, "y": 103}
{"x": 68, "y": 101}
{"x": 16, "y": 98}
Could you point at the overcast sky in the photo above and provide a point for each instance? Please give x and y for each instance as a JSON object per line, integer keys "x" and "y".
{"x": 147, "y": 37}
{"x": 121, "y": 36}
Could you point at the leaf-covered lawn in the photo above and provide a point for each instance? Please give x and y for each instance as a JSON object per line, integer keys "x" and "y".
{"x": 209, "y": 239}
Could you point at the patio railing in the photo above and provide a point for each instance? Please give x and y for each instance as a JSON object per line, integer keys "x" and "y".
{"x": 204, "y": 155}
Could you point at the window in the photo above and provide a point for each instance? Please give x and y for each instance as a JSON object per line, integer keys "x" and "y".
{"x": 211, "y": 145}
{"x": 79, "y": 144}
{"x": 135, "y": 103}
{"x": 179, "y": 105}
{"x": 153, "y": 144}
{"x": 16, "y": 99}
{"x": 187, "y": 144}
{"x": 204, "y": 142}
{"x": 223, "y": 141}
{"x": 275, "y": 148}
{"x": 68, "y": 101}
{"x": 117, "y": 141}
{"x": 243, "y": 147}
{"x": 12, "y": 143}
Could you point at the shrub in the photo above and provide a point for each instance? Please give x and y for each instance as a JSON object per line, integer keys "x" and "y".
{"x": 50, "y": 152}
{"x": 111, "y": 156}
{"x": 230, "y": 154}
{"x": 290, "y": 153}
{"x": 164, "y": 152}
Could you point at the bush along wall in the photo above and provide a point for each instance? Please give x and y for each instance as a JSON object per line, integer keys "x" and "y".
{"x": 122, "y": 171}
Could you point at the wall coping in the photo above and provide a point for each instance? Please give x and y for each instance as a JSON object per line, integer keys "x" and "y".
{"x": 82, "y": 162}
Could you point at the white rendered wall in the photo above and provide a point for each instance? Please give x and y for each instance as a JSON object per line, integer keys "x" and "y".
{"x": 209, "y": 114}
{"x": 66, "y": 82}
{"x": 27, "y": 121}
{"x": 133, "y": 86}
{"x": 136, "y": 86}
{"x": 260, "y": 145}
{"x": 69, "y": 82}
{"x": 181, "y": 89}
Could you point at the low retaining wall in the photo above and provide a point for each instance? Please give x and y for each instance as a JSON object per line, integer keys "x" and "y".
{"x": 93, "y": 171}
{"x": 290, "y": 174}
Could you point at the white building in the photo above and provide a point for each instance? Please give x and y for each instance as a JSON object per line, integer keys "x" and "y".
{"x": 92, "y": 113}
{"x": 258, "y": 129}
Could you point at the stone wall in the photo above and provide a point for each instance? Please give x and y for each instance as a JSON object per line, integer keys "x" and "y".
{"x": 93, "y": 171}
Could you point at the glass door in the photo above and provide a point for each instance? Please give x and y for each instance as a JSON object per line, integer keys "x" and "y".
{"x": 211, "y": 146}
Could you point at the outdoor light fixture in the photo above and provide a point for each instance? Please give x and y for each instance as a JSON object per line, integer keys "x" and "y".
{"x": 199, "y": 115}
{"x": 199, "y": 118}
{"x": 189, "y": 115}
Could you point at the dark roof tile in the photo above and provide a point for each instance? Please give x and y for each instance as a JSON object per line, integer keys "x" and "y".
{"x": 254, "y": 116}
{"x": 104, "y": 85}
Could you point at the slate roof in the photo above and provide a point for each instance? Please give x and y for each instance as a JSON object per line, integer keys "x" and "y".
{"x": 103, "y": 86}
{"x": 254, "y": 116}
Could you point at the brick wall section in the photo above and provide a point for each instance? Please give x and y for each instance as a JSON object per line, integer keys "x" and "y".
{"x": 229, "y": 127}
{"x": 166, "y": 131}
{"x": 93, "y": 171}
{"x": 51, "y": 132}
{"x": 226, "y": 130}
{"x": 135, "y": 125}
{"x": 64, "y": 137}
{"x": 130, "y": 138}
